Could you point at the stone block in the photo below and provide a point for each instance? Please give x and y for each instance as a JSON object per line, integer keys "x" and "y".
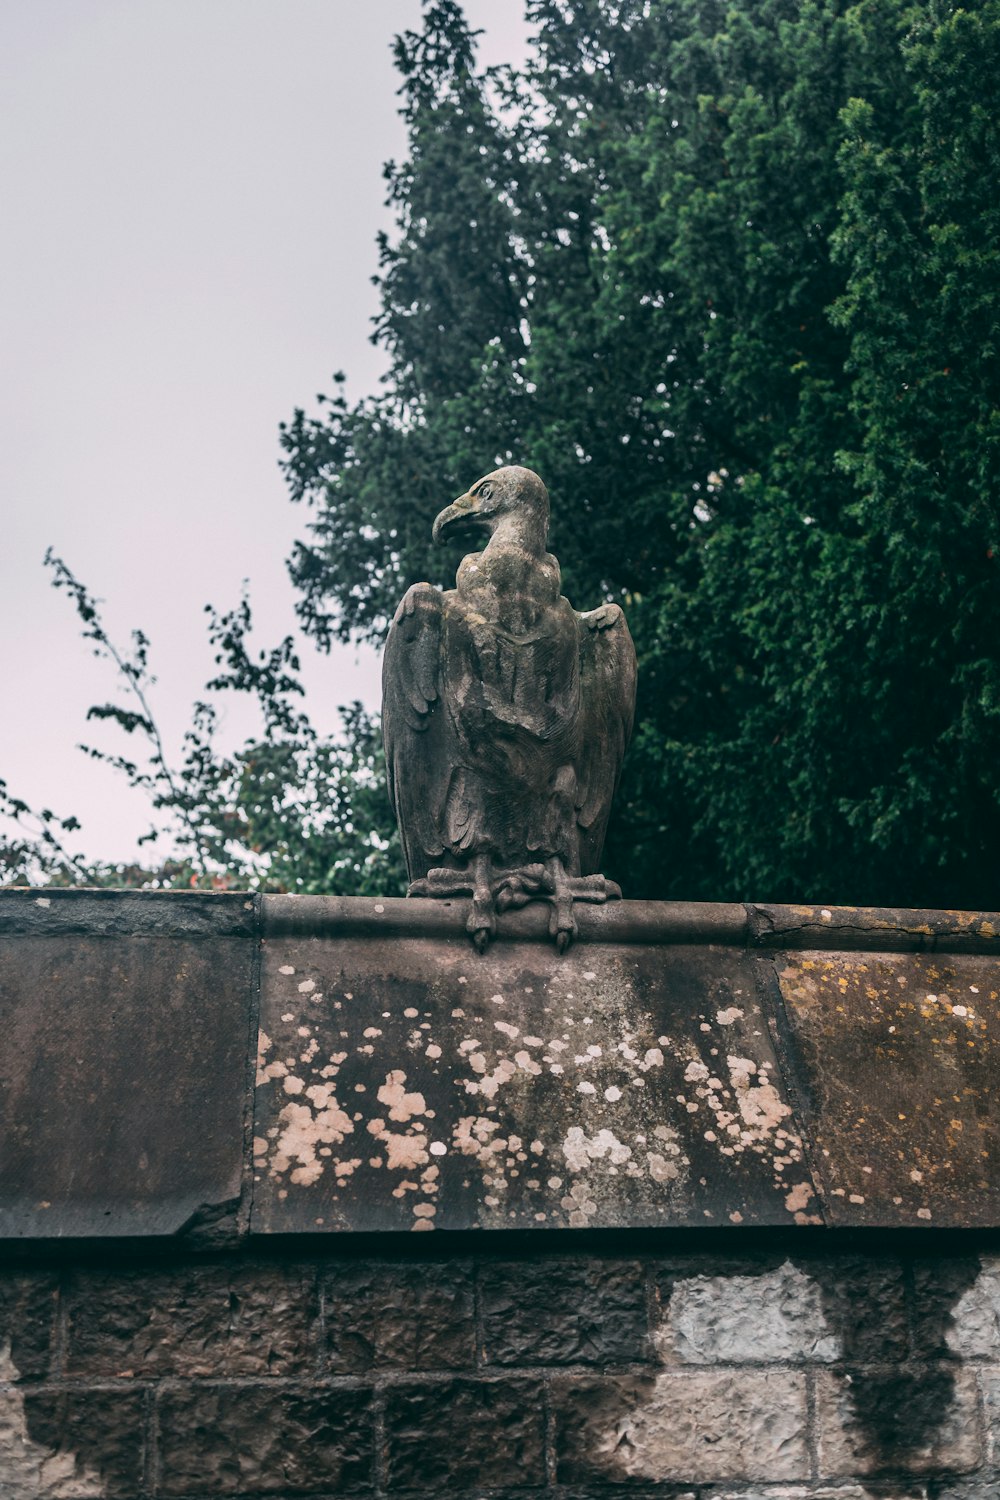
{"x": 208, "y": 1320}
{"x": 414, "y": 1084}
{"x": 774, "y": 1316}
{"x": 897, "y": 1056}
{"x": 766, "y": 1309}
{"x": 559, "y": 1312}
{"x": 124, "y": 1092}
{"x": 864, "y": 1305}
{"x": 919, "y": 1419}
{"x": 689, "y": 1426}
{"x": 27, "y": 1323}
{"x": 957, "y": 1308}
{"x": 407, "y": 1316}
{"x": 71, "y": 1444}
{"x": 254, "y": 1440}
{"x": 454, "y": 1433}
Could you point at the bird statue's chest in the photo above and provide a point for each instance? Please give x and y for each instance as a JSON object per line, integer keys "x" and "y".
{"x": 509, "y": 590}
{"x": 516, "y": 661}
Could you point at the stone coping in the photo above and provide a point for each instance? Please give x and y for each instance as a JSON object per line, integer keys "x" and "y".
{"x": 97, "y": 912}
{"x": 101, "y": 912}
{"x": 684, "y": 1066}
{"x": 742, "y": 925}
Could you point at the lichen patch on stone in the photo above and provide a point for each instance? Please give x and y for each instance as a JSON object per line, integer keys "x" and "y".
{"x": 631, "y": 1103}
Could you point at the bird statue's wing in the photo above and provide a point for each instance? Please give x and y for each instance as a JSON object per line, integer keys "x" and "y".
{"x": 415, "y": 728}
{"x": 607, "y": 692}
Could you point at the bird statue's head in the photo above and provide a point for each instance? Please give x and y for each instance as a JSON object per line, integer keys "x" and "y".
{"x": 510, "y": 499}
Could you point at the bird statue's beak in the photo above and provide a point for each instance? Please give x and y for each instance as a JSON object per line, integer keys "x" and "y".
{"x": 460, "y": 514}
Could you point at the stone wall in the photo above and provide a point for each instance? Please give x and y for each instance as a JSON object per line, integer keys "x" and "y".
{"x": 779, "y": 1372}
{"x": 710, "y": 1206}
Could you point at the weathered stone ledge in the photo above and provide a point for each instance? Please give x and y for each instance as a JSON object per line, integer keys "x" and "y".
{"x": 100, "y": 912}
{"x": 107, "y": 913}
{"x": 615, "y": 922}
{"x": 684, "y": 1065}
{"x": 754, "y": 926}
{"x": 873, "y": 929}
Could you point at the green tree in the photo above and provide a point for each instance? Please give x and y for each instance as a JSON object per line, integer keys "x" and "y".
{"x": 289, "y": 810}
{"x": 726, "y": 275}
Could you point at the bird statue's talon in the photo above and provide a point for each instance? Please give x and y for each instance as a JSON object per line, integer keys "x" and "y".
{"x": 481, "y": 925}
{"x": 562, "y": 922}
{"x": 482, "y": 922}
{"x": 495, "y": 890}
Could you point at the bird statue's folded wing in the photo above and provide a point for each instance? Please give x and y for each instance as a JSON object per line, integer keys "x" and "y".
{"x": 412, "y": 712}
{"x": 608, "y": 677}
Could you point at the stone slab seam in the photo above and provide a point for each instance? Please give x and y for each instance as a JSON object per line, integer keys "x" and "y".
{"x": 772, "y": 1004}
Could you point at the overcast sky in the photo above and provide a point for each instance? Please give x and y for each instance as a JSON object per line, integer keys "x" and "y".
{"x": 191, "y": 193}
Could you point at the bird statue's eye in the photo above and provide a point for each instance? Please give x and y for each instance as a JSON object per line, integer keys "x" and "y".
{"x": 485, "y": 492}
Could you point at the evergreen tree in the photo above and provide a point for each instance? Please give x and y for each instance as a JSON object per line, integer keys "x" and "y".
{"x": 726, "y": 275}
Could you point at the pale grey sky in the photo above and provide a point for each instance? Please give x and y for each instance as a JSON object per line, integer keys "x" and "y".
{"x": 191, "y": 194}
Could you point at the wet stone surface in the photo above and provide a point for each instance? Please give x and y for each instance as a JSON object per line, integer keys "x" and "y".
{"x": 27, "y": 1325}
{"x": 465, "y": 1433}
{"x": 899, "y": 1056}
{"x": 418, "y": 1085}
{"x": 448, "y": 1369}
{"x": 700, "y": 1425}
{"x": 71, "y": 1444}
{"x": 958, "y": 1309}
{"x": 232, "y": 1440}
{"x": 564, "y": 1312}
{"x": 123, "y": 1069}
{"x": 397, "y": 1317}
{"x": 861, "y": 1429}
{"x": 209, "y": 1321}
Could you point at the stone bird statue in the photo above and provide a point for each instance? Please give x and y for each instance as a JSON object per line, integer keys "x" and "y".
{"x": 505, "y": 715}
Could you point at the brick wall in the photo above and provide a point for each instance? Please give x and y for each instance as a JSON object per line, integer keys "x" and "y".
{"x": 596, "y": 1369}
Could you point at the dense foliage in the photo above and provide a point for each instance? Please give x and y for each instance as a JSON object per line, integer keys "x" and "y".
{"x": 726, "y": 273}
